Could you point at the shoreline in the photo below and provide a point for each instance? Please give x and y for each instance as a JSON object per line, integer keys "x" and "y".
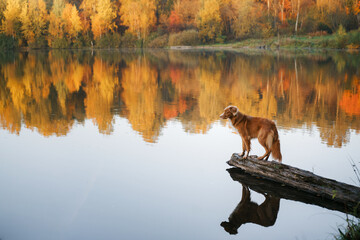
{"x": 236, "y": 47}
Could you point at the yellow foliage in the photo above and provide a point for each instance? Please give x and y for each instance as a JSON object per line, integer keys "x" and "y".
{"x": 72, "y": 22}
{"x": 102, "y": 20}
{"x": 11, "y": 17}
{"x": 209, "y": 20}
{"x": 100, "y": 95}
{"x": 87, "y": 9}
{"x": 56, "y": 27}
{"x": 245, "y": 19}
{"x": 33, "y": 18}
{"x": 187, "y": 9}
{"x": 211, "y": 100}
{"x": 139, "y": 16}
{"x": 141, "y": 98}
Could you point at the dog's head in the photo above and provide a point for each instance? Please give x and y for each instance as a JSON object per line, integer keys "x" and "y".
{"x": 229, "y": 227}
{"x": 229, "y": 112}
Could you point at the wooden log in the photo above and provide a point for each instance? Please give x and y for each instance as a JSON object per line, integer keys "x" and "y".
{"x": 304, "y": 181}
{"x": 267, "y": 187}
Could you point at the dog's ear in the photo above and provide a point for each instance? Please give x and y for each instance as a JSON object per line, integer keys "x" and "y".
{"x": 234, "y": 110}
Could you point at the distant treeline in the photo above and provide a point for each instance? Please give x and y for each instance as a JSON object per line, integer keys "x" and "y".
{"x": 158, "y": 23}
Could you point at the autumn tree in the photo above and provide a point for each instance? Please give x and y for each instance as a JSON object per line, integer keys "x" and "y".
{"x": 87, "y": 9}
{"x": 103, "y": 19}
{"x": 139, "y": 16}
{"x": 209, "y": 21}
{"x": 357, "y": 11}
{"x": 246, "y": 23}
{"x": 187, "y": 11}
{"x": 337, "y": 12}
{"x": 162, "y": 12}
{"x": 284, "y": 7}
{"x": 10, "y": 24}
{"x": 228, "y": 14}
{"x": 175, "y": 22}
{"x": 72, "y": 22}
{"x": 2, "y": 9}
{"x": 56, "y": 24}
{"x": 34, "y": 19}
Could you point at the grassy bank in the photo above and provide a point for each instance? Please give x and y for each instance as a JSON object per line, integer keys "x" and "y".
{"x": 349, "y": 40}
{"x": 190, "y": 39}
{"x": 350, "y": 232}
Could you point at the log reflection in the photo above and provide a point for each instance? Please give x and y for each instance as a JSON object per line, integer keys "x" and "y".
{"x": 265, "y": 214}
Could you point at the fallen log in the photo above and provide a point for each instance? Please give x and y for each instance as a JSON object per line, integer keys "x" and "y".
{"x": 275, "y": 189}
{"x": 341, "y": 194}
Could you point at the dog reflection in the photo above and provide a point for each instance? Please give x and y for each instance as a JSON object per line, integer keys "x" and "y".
{"x": 247, "y": 211}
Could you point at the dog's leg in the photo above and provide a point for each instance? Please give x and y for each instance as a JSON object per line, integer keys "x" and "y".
{"x": 248, "y": 146}
{"x": 267, "y": 152}
{"x": 243, "y": 147}
{"x": 265, "y": 140}
{"x": 267, "y": 157}
{"x": 262, "y": 140}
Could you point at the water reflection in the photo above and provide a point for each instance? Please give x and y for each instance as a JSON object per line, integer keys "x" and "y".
{"x": 247, "y": 211}
{"x": 51, "y": 91}
{"x": 266, "y": 213}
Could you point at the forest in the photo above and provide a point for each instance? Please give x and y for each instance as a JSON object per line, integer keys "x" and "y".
{"x": 159, "y": 23}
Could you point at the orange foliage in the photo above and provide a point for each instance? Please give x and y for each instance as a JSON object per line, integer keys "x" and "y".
{"x": 357, "y": 8}
{"x": 175, "y": 74}
{"x": 350, "y": 101}
{"x": 175, "y": 22}
{"x": 170, "y": 111}
{"x": 174, "y": 108}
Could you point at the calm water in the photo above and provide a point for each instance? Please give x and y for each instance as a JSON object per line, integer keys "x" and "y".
{"x": 129, "y": 145}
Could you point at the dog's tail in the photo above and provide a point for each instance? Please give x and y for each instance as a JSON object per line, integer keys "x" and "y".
{"x": 275, "y": 147}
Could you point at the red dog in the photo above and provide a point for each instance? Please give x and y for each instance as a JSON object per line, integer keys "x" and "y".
{"x": 255, "y": 127}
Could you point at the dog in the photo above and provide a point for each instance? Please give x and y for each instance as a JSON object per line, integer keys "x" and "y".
{"x": 254, "y": 127}
{"x": 248, "y": 211}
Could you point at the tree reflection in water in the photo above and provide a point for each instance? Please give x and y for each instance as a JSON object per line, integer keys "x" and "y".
{"x": 50, "y": 91}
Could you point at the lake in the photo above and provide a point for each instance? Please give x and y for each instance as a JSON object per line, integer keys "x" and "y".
{"x": 122, "y": 144}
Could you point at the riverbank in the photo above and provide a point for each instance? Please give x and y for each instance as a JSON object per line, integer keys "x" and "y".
{"x": 349, "y": 40}
{"x": 319, "y": 41}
